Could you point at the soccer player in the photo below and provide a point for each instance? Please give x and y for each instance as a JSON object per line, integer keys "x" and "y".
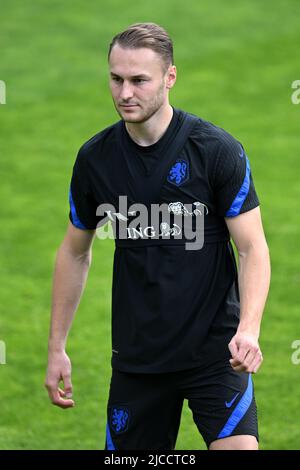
{"x": 185, "y": 322}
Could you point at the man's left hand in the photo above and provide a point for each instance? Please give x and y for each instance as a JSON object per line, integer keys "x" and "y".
{"x": 245, "y": 352}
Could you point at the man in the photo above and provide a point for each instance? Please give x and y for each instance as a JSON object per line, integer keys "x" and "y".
{"x": 185, "y": 325}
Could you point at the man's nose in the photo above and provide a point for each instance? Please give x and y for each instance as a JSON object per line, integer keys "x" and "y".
{"x": 126, "y": 91}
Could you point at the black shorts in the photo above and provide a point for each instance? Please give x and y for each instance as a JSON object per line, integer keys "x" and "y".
{"x": 144, "y": 410}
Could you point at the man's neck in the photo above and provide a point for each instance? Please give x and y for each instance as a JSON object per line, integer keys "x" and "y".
{"x": 149, "y": 132}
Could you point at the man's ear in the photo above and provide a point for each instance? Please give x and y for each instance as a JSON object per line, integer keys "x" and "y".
{"x": 171, "y": 76}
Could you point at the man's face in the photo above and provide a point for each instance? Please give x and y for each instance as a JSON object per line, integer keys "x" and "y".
{"x": 138, "y": 82}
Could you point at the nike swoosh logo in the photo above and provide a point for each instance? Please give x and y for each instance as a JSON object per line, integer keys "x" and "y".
{"x": 230, "y": 403}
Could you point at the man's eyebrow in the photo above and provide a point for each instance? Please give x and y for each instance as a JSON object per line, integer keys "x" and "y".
{"x": 142, "y": 75}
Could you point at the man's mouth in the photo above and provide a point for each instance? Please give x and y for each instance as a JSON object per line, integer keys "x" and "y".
{"x": 128, "y": 105}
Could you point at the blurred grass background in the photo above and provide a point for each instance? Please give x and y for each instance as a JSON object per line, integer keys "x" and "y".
{"x": 236, "y": 62}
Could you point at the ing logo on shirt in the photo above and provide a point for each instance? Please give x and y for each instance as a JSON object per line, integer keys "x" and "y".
{"x": 179, "y": 172}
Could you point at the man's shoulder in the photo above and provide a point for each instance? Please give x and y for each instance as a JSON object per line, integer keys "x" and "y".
{"x": 212, "y": 135}
{"x": 93, "y": 145}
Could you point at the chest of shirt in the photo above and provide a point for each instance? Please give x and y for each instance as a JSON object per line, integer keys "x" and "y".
{"x": 185, "y": 180}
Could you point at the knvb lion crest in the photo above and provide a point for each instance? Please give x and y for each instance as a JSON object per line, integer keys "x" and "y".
{"x": 119, "y": 419}
{"x": 179, "y": 172}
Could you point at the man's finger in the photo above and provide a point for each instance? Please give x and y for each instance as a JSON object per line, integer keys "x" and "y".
{"x": 240, "y": 358}
{"x": 239, "y": 365}
{"x": 68, "y": 388}
{"x": 57, "y": 395}
{"x": 234, "y": 362}
{"x": 249, "y": 358}
{"x": 236, "y": 365}
{"x": 239, "y": 368}
{"x": 62, "y": 403}
{"x": 256, "y": 363}
{"x": 58, "y": 400}
{"x": 233, "y": 348}
{"x": 242, "y": 353}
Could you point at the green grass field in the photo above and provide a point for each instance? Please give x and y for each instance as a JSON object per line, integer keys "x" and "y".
{"x": 236, "y": 62}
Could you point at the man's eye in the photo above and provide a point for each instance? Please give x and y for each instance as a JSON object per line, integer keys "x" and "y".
{"x": 139, "y": 80}
{"x": 116, "y": 79}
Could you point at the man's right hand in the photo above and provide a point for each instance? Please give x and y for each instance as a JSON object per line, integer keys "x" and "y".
{"x": 59, "y": 369}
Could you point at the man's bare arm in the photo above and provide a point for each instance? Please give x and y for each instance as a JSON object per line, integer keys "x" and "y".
{"x": 73, "y": 261}
{"x": 254, "y": 279}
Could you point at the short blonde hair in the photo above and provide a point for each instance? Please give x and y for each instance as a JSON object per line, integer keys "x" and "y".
{"x": 149, "y": 35}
